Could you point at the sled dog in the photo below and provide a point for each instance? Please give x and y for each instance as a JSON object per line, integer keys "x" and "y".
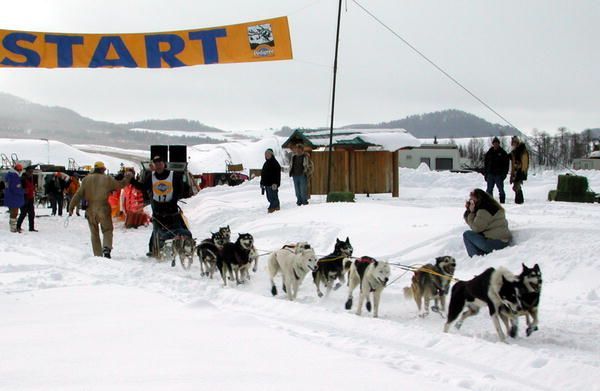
{"x": 226, "y": 232}
{"x": 208, "y": 251}
{"x": 432, "y": 282}
{"x": 183, "y": 248}
{"x": 331, "y": 267}
{"x": 529, "y": 288}
{"x": 496, "y": 288}
{"x": 294, "y": 262}
{"x": 235, "y": 256}
{"x": 372, "y": 276}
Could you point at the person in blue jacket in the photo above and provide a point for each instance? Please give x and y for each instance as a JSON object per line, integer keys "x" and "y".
{"x": 14, "y": 195}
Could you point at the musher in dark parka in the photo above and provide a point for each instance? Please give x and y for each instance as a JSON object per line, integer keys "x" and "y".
{"x": 487, "y": 220}
{"x": 166, "y": 188}
{"x": 519, "y": 158}
{"x": 496, "y": 169}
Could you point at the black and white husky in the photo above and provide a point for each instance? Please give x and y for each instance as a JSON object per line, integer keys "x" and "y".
{"x": 226, "y": 233}
{"x": 530, "y": 289}
{"x": 372, "y": 276}
{"x": 495, "y": 288}
{"x": 331, "y": 267}
{"x": 235, "y": 256}
{"x": 432, "y": 282}
{"x": 209, "y": 250}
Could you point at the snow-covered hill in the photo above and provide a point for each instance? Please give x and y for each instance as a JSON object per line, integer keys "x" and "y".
{"x": 55, "y": 152}
{"x": 72, "y": 321}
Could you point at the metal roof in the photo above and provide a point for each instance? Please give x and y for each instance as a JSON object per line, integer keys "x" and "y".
{"x": 386, "y": 139}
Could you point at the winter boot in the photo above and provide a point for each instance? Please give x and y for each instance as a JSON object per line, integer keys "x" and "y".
{"x": 519, "y": 197}
{"x": 13, "y": 225}
{"x": 106, "y": 252}
{"x": 502, "y": 199}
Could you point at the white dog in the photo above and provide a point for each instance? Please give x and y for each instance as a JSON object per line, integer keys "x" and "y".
{"x": 294, "y": 262}
{"x": 372, "y": 276}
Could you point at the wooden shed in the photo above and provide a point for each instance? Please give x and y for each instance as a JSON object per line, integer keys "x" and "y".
{"x": 364, "y": 161}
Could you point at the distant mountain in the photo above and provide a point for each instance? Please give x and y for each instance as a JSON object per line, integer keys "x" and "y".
{"x": 444, "y": 124}
{"x": 20, "y": 118}
{"x": 178, "y": 124}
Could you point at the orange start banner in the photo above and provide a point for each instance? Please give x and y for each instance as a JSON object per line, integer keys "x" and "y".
{"x": 264, "y": 40}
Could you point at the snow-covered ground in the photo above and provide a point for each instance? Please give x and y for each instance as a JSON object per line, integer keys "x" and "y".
{"x": 72, "y": 321}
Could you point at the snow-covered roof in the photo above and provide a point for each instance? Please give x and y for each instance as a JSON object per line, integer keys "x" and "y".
{"x": 385, "y": 139}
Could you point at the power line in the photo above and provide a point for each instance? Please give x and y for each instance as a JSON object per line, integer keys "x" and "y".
{"x": 440, "y": 69}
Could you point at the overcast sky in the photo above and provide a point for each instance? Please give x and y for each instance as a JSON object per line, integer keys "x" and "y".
{"x": 536, "y": 62}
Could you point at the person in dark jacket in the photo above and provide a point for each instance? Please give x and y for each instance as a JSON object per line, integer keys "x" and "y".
{"x": 165, "y": 188}
{"x": 496, "y": 169}
{"x": 301, "y": 169}
{"x": 54, "y": 186}
{"x": 14, "y": 196}
{"x": 28, "y": 208}
{"x": 270, "y": 180}
{"x": 519, "y": 158}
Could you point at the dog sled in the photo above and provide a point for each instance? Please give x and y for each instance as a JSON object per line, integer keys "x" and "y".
{"x": 171, "y": 239}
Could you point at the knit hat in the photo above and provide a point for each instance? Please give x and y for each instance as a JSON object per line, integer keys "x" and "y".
{"x": 99, "y": 166}
{"x": 270, "y": 150}
{"x": 496, "y": 140}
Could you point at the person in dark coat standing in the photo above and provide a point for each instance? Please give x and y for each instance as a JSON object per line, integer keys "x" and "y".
{"x": 519, "y": 158}
{"x": 301, "y": 169}
{"x": 54, "y": 187}
{"x": 270, "y": 180}
{"x": 28, "y": 208}
{"x": 496, "y": 169}
{"x": 14, "y": 196}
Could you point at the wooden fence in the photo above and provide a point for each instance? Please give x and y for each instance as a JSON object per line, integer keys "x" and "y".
{"x": 361, "y": 172}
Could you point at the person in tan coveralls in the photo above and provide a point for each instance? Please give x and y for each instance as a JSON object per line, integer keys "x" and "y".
{"x": 95, "y": 189}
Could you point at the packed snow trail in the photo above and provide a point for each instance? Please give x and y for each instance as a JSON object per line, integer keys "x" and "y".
{"x": 397, "y": 350}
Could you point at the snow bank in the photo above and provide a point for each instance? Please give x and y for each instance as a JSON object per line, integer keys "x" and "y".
{"x": 213, "y": 157}
{"x": 55, "y": 152}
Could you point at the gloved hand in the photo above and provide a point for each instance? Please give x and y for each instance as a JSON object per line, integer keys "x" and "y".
{"x": 274, "y": 186}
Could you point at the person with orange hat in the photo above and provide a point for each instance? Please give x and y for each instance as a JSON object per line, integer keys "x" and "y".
{"x": 95, "y": 189}
{"x": 14, "y": 196}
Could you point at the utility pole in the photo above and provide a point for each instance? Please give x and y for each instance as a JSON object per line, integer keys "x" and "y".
{"x": 337, "y": 42}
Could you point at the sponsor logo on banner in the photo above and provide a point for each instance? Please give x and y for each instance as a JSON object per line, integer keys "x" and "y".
{"x": 264, "y": 51}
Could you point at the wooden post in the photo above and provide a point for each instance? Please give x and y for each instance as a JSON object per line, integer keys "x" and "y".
{"x": 395, "y": 175}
